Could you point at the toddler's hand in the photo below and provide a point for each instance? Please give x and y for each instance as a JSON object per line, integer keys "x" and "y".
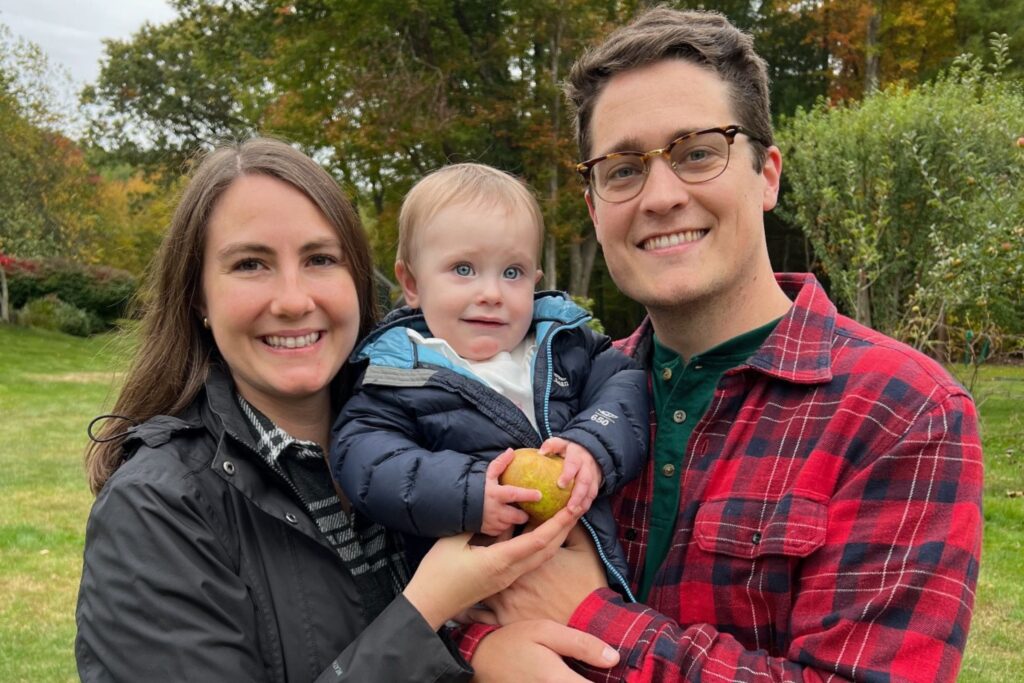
{"x": 500, "y": 514}
{"x": 579, "y": 466}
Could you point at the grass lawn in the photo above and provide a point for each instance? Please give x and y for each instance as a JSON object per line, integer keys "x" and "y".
{"x": 51, "y": 385}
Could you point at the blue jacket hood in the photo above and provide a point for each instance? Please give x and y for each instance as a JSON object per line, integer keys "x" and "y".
{"x": 389, "y": 344}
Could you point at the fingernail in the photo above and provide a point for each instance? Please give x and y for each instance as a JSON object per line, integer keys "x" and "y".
{"x": 610, "y": 655}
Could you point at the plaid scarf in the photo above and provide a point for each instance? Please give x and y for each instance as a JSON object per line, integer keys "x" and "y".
{"x": 373, "y": 556}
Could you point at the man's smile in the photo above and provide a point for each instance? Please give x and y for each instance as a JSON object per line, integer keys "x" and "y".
{"x": 673, "y": 239}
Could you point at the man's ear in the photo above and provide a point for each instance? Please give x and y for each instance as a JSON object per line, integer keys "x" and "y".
{"x": 772, "y": 174}
{"x": 408, "y": 282}
{"x": 540, "y": 274}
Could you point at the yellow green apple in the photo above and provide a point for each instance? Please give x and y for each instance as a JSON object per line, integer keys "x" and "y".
{"x": 532, "y": 469}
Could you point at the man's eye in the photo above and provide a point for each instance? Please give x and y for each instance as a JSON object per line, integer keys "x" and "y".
{"x": 463, "y": 270}
{"x": 697, "y": 155}
{"x": 622, "y": 170}
{"x": 512, "y": 273}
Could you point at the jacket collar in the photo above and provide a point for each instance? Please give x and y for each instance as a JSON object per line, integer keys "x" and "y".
{"x": 220, "y": 410}
{"x": 389, "y": 344}
{"x": 798, "y": 350}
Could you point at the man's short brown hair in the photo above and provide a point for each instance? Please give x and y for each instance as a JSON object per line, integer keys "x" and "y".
{"x": 703, "y": 38}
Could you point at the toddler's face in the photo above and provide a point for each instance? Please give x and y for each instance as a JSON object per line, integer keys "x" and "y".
{"x": 473, "y": 271}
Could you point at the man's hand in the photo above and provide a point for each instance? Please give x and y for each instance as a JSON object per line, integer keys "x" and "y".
{"x": 554, "y": 589}
{"x": 580, "y": 471}
{"x": 457, "y": 573}
{"x": 533, "y": 651}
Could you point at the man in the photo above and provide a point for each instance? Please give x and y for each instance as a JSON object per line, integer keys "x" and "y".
{"x": 812, "y": 505}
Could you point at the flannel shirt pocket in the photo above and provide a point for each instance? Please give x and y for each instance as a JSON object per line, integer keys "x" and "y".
{"x": 752, "y": 527}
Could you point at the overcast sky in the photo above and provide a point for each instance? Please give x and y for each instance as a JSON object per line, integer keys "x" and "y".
{"x": 71, "y": 31}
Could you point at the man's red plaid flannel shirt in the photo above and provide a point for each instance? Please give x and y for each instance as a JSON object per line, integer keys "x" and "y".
{"x": 830, "y": 520}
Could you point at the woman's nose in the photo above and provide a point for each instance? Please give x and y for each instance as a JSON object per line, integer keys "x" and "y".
{"x": 292, "y": 297}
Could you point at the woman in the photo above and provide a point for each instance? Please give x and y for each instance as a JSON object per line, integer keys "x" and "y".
{"x": 217, "y": 549}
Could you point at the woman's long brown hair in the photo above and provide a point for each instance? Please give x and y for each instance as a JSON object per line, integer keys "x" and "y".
{"x": 174, "y": 352}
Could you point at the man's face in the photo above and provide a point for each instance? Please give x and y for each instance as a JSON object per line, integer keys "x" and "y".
{"x": 677, "y": 244}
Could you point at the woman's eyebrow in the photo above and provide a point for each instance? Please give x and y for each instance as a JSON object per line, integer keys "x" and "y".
{"x": 319, "y": 245}
{"x": 236, "y": 248}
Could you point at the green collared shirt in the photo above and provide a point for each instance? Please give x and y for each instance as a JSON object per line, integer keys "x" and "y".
{"x": 682, "y": 394}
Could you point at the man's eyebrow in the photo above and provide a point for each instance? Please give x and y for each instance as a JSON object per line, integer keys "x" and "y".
{"x": 634, "y": 145}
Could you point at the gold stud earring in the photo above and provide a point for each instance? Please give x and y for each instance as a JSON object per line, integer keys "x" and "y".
{"x": 206, "y": 322}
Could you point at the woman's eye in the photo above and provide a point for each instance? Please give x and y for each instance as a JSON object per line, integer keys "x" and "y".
{"x": 248, "y": 265}
{"x": 322, "y": 260}
{"x": 463, "y": 270}
{"x": 512, "y": 273}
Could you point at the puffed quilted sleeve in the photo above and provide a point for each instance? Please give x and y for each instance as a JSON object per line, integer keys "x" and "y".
{"x": 613, "y": 422}
{"x": 377, "y": 461}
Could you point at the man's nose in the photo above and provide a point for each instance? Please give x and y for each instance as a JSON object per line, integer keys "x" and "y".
{"x": 663, "y": 190}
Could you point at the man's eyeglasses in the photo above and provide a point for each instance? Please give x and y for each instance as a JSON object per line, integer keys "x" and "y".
{"x": 695, "y": 157}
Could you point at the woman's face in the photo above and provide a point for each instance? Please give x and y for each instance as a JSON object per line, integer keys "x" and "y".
{"x": 281, "y": 304}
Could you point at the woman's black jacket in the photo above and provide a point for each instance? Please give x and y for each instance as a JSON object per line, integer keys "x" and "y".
{"x": 200, "y": 567}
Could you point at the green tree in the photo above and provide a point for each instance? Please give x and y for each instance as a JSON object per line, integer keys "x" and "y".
{"x": 913, "y": 201}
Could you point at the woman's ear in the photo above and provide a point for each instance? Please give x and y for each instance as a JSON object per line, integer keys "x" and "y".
{"x": 408, "y": 282}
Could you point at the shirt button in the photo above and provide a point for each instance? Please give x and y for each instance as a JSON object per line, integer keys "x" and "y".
{"x": 756, "y": 538}
{"x": 698, "y": 367}
{"x": 630, "y": 534}
{"x": 666, "y": 374}
{"x": 679, "y": 416}
{"x": 292, "y": 519}
{"x": 668, "y": 470}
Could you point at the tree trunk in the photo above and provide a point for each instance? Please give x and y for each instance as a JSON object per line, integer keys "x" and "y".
{"x": 5, "y": 311}
{"x": 551, "y": 247}
{"x": 863, "y": 303}
{"x": 872, "y": 49}
{"x": 582, "y": 254}
{"x": 550, "y": 262}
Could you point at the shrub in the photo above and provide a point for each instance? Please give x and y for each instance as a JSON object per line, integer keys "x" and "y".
{"x": 912, "y": 200}
{"x": 51, "y": 313}
{"x": 103, "y": 292}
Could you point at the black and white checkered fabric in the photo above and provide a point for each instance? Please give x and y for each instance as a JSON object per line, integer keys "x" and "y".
{"x": 373, "y": 555}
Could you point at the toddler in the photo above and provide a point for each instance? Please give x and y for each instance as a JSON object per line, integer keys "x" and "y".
{"x": 476, "y": 363}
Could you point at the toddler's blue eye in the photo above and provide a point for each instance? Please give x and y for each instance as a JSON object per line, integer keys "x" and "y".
{"x": 463, "y": 270}
{"x": 512, "y": 273}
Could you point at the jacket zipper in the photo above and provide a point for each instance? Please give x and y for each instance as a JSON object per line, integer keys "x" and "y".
{"x": 609, "y": 567}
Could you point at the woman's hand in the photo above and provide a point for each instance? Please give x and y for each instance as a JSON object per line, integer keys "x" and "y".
{"x": 456, "y": 574}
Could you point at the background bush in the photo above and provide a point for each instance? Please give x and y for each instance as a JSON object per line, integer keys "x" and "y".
{"x": 914, "y": 203}
{"x": 51, "y": 313}
{"x": 105, "y": 293}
